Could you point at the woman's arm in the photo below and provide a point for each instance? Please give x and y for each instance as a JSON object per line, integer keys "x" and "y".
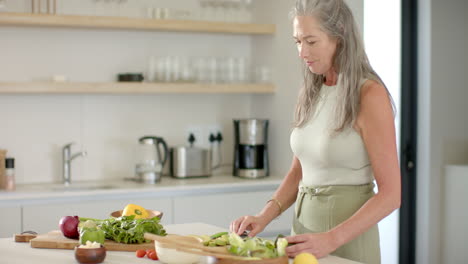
{"x": 375, "y": 123}
{"x": 285, "y": 195}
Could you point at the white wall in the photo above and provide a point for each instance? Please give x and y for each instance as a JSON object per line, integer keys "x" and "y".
{"x": 442, "y": 117}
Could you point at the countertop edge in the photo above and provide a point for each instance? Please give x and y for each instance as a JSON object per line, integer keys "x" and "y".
{"x": 173, "y": 188}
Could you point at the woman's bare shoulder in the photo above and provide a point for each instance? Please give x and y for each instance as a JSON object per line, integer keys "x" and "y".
{"x": 372, "y": 89}
{"x": 375, "y": 105}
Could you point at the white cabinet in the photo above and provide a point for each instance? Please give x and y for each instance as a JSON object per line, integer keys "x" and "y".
{"x": 11, "y": 221}
{"x": 44, "y": 218}
{"x": 455, "y": 216}
{"x": 218, "y": 202}
{"x": 221, "y": 209}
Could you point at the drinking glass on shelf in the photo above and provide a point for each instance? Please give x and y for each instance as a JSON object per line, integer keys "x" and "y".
{"x": 262, "y": 74}
{"x": 150, "y": 12}
{"x": 161, "y": 13}
{"x": 246, "y": 9}
{"x": 221, "y": 74}
{"x": 232, "y": 10}
{"x": 186, "y": 70}
{"x": 100, "y": 8}
{"x": 213, "y": 70}
{"x": 151, "y": 71}
{"x": 3, "y": 6}
{"x": 206, "y": 12}
{"x": 111, "y": 7}
{"x": 217, "y": 7}
{"x": 243, "y": 69}
{"x": 162, "y": 67}
{"x": 230, "y": 70}
{"x": 201, "y": 69}
{"x": 121, "y": 8}
{"x": 224, "y": 10}
{"x": 175, "y": 69}
{"x": 235, "y": 11}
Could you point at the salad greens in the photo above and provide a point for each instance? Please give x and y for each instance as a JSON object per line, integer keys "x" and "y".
{"x": 252, "y": 248}
{"x": 257, "y": 248}
{"x": 127, "y": 229}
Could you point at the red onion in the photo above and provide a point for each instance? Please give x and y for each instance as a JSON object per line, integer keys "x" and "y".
{"x": 69, "y": 226}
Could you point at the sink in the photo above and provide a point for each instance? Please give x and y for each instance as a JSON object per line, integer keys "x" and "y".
{"x": 83, "y": 187}
{"x": 73, "y": 187}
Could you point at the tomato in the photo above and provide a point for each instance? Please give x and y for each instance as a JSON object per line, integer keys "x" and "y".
{"x": 153, "y": 255}
{"x": 140, "y": 253}
{"x": 148, "y": 251}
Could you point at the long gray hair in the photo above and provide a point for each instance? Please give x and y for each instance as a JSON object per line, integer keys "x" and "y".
{"x": 350, "y": 61}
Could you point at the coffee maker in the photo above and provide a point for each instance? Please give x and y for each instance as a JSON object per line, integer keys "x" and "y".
{"x": 250, "y": 148}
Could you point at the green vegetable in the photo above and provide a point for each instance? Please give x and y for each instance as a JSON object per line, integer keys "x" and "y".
{"x": 218, "y": 235}
{"x": 92, "y": 235}
{"x": 220, "y": 242}
{"x": 281, "y": 244}
{"x": 255, "y": 247}
{"x": 251, "y": 248}
{"x": 89, "y": 231}
{"x": 127, "y": 229}
{"x": 236, "y": 240}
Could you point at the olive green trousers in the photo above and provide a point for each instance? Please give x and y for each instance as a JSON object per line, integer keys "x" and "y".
{"x": 319, "y": 209}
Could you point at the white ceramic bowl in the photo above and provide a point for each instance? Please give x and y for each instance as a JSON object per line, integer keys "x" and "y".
{"x": 171, "y": 256}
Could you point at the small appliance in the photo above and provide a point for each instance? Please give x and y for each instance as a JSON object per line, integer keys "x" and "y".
{"x": 153, "y": 155}
{"x": 190, "y": 161}
{"x": 187, "y": 162}
{"x": 251, "y": 148}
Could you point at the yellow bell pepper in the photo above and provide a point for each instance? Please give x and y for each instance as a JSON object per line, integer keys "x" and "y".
{"x": 136, "y": 210}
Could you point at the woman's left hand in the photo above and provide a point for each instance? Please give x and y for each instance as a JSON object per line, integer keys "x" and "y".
{"x": 318, "y": 244}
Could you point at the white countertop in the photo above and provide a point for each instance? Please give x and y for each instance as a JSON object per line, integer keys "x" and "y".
{"x": 167, "y": 187}
{"x": 12, "y": 253}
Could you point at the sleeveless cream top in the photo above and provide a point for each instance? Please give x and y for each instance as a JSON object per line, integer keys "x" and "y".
{"x": 328, "y": 157}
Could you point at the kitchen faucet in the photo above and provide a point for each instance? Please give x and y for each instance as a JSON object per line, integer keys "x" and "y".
{"x": 67, "y": 158}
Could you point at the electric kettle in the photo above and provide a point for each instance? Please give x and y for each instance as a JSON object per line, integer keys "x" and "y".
{"x": 153, "y": 154}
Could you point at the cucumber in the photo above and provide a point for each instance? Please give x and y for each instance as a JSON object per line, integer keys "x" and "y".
{"x": 218, "y": 235}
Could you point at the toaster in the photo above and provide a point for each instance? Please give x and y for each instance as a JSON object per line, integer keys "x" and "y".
{"x": 187, "y": 162}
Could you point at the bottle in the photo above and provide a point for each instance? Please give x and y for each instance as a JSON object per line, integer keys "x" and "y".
{"x": 3, "y": 153}
{"x": 10, "y": 174}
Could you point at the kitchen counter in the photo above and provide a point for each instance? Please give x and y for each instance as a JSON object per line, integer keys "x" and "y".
{"x": 167, "y": 187}
{"x": 215, "y": 200}
{"x": 12, "y": 253}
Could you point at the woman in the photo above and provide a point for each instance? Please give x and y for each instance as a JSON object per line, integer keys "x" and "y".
{"x": 343, "y": 140}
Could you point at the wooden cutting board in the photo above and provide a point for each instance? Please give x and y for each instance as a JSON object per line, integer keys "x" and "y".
{"x": 280, "y": 260}
{"x": 56, "y": 240}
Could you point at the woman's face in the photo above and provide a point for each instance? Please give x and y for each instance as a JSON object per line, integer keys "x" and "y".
{"x": 315, "y": 47}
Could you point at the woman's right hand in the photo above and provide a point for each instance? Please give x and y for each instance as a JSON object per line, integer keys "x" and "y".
{"x": 254, "y": 224}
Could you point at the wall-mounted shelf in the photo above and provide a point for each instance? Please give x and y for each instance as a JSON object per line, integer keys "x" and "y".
{"x": 132, "y": 88}
{"x": 72, "y": 21}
